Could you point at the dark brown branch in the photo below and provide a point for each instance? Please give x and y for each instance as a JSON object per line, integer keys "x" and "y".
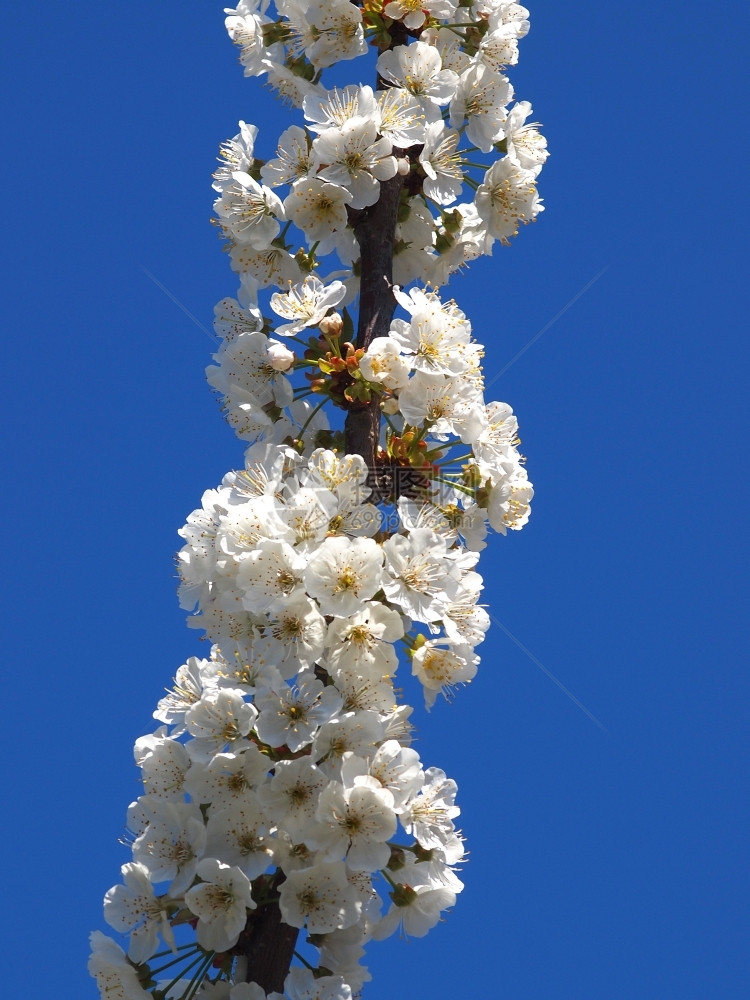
{"x": 375, "y": 231}
{"x": 268, "y": 944}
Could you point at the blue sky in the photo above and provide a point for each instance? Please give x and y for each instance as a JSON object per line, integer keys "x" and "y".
{"x": 607, "y": 857}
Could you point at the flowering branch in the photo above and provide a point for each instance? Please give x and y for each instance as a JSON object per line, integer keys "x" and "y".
{"x": 280, "y": 791}
{"x": 375, "y": 232}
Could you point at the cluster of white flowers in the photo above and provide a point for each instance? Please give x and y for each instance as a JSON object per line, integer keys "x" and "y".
{"x": 445, "y": 100}
{"x": 251, "y": 777}
{"x": 282, "y": 772}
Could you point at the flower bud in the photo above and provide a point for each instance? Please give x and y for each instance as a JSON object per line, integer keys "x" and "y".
{"x": 280, "y": 358}
{"x": 332, "y": 325}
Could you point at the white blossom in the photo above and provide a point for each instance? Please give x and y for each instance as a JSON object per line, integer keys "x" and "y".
{"x": 220, "y": 902}
{"x": 440, "y": 670}
{"x": 245, "y": 27}
{"x": 116, "y": 978}
{"x": 416, "y": 911}
{"x": 319, "y": 898}
{"x": 317, "y": 207}
{"x": 290, "y": 87}
{"x": 232, "y": 319}
{"x": 227, "y": 778}
{"x": 356, "y": 822}
{"x": 236, "y": 154}
{"x": 219, "y": 719}
{"x": 525, "y": 145}
{"x": 326, "y": 30}
{"x": 239, "y": 835}
{"x": 270, "y": 575}
{"x": 414, "y": 12}
{"x": 499, "y": 47}
{"x": 306, "y": 303}
{"x": 335, "y": 107}
{"x": 429, "y": 815}
{"x": 363, "y": 641}
{"x": 246, "y": 991}
{"x": 359, "y": 732}
{"x": 164, "y": 763}
{"x": 419, "y": 577}
{"x": 435, "y": 340}
{"x": 464, "y": 620}
{"x": 441, "y": 161}
{"x": 353, "y": 157}
{"x": 509, "y": 502}
{"x": 341, "y": 474}
{"x": 382, "y": 363}
{"x": 343, "y": 573}
{"x": 270, "y": 265}
{"x": 188, "y": 686}
{"x": 295, "y": 637}
{"x": 418, "y": 68}
{"x": 481, "y": 98}
{"x": 247, "y": 372}
{"x": 292, "y": 161}
{"x": 301, "y": 984}
{"x": 134, "y": 907}
{"x": 507, "y": 196}
{"x": 290, "y": 717}
{"x": 172, "y": 843}
{"x": 249, "y": 212}
{"x": 341, "y": 950}
{"x": 402, "y": 119}
{"x": 448, "y": 44}
{"x": 449, "y": 405}
{"x": 393, "y": 766}
{"x": 291, "y": 796}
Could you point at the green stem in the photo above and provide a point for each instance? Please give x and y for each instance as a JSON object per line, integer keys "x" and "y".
{"x": 461, "y": 489}
{"x": 408, "y": 640}
{"x": 458, "y": 28}
{"x": 186, "y": 969}
{"x": 304, "y": 961}
{"x": 171, "y": 951}
{"x": 302, "y": 343}
{"x": 180, "y": 958}
{"x": 450, "y": 461}
{"x": 333, "y": 344}
{"x": 197, "y": 980}
{"x": 405, "y": 847}
{"x": 390, "y": 423}
{"x": 388, "y": 878}
{"x": 320, "y": 405}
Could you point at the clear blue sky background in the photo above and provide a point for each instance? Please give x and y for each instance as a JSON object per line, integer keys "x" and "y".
{"x": 606, "y": 863}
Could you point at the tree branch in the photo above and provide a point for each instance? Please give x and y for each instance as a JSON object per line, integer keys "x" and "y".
{"x": 267, "y": 944}
{"x": 375, "y": 232}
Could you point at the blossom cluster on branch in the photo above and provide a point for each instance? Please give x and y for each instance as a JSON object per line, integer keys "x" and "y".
{"x": 281, "y": 791}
